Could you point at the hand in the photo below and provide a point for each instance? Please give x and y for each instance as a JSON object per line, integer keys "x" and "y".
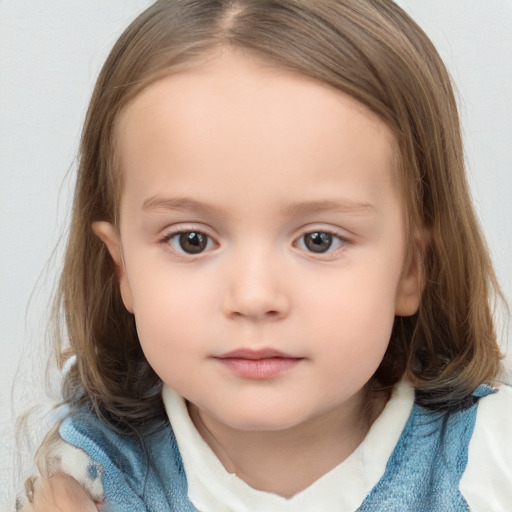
{"x": 60, "y": 493}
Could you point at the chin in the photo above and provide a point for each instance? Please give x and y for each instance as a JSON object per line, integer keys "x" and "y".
{"x": 263, "y": 422}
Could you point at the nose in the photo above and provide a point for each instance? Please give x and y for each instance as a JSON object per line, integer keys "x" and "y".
{"x": 256, "y": 289}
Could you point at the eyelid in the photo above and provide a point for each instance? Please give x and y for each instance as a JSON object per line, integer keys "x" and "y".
{"x": 182, "y": 227}
{"x": 315, "y": 227}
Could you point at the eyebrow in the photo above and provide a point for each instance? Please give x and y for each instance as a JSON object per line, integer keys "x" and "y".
{"x": 157, "y": 202}
{"x": 333, "y": 205}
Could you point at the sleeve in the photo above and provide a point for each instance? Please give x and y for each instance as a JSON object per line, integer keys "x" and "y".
{"x": 57, "y": 456}
{"x": 487, "y": 481}
{"x": 112, "y": 464}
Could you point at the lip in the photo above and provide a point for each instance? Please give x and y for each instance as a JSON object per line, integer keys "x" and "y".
{"x": 263, "y": 353}
{"x": 257, "y": 364}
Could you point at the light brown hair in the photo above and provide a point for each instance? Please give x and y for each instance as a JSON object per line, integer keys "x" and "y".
{"x": 370, "y": 50}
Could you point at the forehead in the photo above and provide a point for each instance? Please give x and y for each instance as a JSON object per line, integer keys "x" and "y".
{"x": 240, "y": 120}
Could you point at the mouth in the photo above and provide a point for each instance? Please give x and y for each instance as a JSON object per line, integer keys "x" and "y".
{"x": 258, "y": 364}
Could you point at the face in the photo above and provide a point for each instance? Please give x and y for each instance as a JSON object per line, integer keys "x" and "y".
{"x": 261, "y": 242}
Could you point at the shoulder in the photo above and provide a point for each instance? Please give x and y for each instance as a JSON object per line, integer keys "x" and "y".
{"x": 102, "y": 444}
{"x": 487, "y": 481}
{"x": 429, "y": 461}
{"x": 130, "y": 469}
{"x": 112, "y": 449}
{"x": 55, "y": 455}
{"x": 93, "y": 453}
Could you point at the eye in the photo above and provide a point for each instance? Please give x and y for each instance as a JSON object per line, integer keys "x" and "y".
{"x": 189, "y": 242}
{"x": 320, "y": 242}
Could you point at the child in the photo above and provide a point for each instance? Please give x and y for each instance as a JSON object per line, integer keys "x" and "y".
{"x": 276, "y": 293}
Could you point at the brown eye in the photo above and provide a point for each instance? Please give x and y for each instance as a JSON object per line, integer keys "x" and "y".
{"x": 191, "y": 242}
{"x": 318, "y": 241}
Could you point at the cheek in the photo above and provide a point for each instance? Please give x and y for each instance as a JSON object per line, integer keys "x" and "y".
{"x": 170, "y": 312}
{"x": 355, "y": 296}
{"x": 166, "y": 294}
{"x": 354, "y": 314}
{"x": 352, "y": 341}
{"x": 169, "y": 338}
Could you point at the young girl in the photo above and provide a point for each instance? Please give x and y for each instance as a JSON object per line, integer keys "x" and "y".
{"x": 276, "y": 293}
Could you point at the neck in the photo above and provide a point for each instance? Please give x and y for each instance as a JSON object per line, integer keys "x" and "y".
{"x": 288, "y": 461}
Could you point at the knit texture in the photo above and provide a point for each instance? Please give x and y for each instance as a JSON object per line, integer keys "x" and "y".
{"x": 425, "y": 468}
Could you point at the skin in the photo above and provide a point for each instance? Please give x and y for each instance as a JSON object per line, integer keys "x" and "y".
{"x": 256, "y": 158}
{"x": 59, "y": 493}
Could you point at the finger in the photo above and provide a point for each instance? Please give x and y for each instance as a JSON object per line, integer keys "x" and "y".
{"x": 61, "y": 493}
{"x": 30, "y": 488}
{"x": 23, "y": 505}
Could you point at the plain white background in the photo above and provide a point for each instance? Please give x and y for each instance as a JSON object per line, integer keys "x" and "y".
{"x": 50, "y": 54}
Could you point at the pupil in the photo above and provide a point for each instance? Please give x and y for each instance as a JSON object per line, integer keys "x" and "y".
{"x": 318, "y": 242}
{"x": 192, "y": 242}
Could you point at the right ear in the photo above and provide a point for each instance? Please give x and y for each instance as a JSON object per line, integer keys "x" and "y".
{"x": 106, "y": 232}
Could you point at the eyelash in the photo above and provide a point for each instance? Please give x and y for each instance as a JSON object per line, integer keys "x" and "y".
{"x": 206, "y": 241}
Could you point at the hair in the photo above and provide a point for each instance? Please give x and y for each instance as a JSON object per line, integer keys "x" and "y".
{"x": 375, "y": 53}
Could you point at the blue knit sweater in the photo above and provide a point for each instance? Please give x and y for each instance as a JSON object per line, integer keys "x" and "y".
{"x": 422, "y": 474}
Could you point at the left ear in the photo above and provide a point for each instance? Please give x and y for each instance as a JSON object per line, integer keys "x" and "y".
{"x": 412, "y": 282}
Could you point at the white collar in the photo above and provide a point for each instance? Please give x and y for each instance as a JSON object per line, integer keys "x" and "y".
{"x": 212, "y": 489}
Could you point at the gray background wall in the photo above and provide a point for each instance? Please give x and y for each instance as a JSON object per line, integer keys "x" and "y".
{"x": 50, "y": 54}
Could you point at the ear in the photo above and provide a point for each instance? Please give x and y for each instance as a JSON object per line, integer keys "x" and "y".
{"x": 109, "y": 236}
{"x": 412, "y": 282}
